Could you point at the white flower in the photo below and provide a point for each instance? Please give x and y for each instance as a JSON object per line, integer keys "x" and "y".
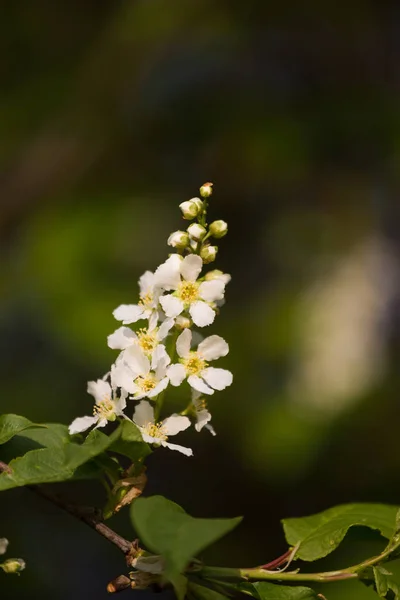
{"x": 107, "y": 408}
{"x": 158, "y": 433}
{"x": 203, "y": 416}
{"x": 194, "y": 364}
{"x": 148, "y": 304}
{"x": 147, "y": 339}
{"x": 139, "y": 376}
{"x": 189, "y": 294}
{"x": 3, "y": 545}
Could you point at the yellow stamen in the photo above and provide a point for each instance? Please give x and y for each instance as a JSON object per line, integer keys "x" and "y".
{"x": 147, "y": 341}
{"x": 194, "y": 363}
{"x": 146, "y": 383}
{"x": 147, "y": 301}
{"x": 188, "y": 292}
{"x": 105, "y": 409}
{"x": 155, "y": 431}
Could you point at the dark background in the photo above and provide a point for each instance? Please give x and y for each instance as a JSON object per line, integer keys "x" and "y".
{"x": 111, "y": 114}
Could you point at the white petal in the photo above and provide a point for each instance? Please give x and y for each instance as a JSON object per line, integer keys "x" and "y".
{"x": 198, "y": 384}
{"x": 203, "y": 417}
{"x": 160, "y": 358}
{"x": 144, "y": 413}
{"x": 135, "y": 358}
{"x": 172, "y": 306}
{"x": 120, "y": 404}
{"x": 81, "y": 424}
{"x": 183, "y": 343}
{"x": 146, "y": 283}
{"x": 159, "y": 388}
{"x": 153, "y": 319}
{"x": 164, "y": 329}
{"x": 212, "y": 290}
{"x": 213, "y": 347}
{"x": 176, "y": 374}
{"x": 201, "y": 313}
{"x": 121, "y": 338}
{"x": 100, "y": 389}
{"x": 182, "y": 449}
{"x": 123, "y": 377}
{"x": 175, "y": 423}
{"x": 219, "y": 379}
{"x": 129, "y": 313}
{"x": 191, "y": 267}
{"x": 167, "y": 275}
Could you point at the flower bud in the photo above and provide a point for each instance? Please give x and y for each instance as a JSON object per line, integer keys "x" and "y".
{"x": 196, "y": 231}
{"x": 178, "y": 239}
{"x": 182, "y": 322}
{"x": 208, "y": 254}
{"x": 3, "y": 545}
{"x": 13, "y": 565}
{"x": 206, "y": 190}
{"x": 191, "y": 208}
{"x": 218, "y": 229}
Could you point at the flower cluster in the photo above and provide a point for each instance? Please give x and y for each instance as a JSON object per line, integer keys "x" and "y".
{"x": 163, "y": 350}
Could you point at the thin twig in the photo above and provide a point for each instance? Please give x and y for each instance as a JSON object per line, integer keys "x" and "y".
{"x": 88, "y": 515}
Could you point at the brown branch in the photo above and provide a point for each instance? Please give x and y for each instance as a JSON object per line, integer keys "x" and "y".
{"x": 87, "y": 515}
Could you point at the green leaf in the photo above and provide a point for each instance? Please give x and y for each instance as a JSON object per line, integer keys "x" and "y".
{"x": 320, "y": 534}
{"x": 204, "y": 593}
{"x": 11, "y": 425}
{"x": 263, "y": 590}
{"x": 382, "y": 582}
{"x": 60, "y": 459}
{"x": 130, "y": 442}
{"x": 166, "y": 529}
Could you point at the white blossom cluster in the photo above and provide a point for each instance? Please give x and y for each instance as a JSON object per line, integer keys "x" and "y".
{"x": 162, "y": 350}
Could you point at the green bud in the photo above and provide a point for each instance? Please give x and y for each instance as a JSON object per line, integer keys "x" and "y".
{"x": 191, "y": 208}
{"x": 196, "y": 231}
{"x": 208, "y": 254}
{"x": 182, "y": 323}
{"x": 178, "y": 239}
{"x": 13, "y": 565}
{"x": 206, "y": 190}
{"x": 218, "y": 229}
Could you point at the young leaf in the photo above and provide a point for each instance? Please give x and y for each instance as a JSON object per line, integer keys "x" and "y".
{"x": 11, "y": 425}
{"x": 60, "y": 459}
{"x": 320, "y": 534}
{"x": 382, "y": 582}
{"x": 166, "y": 529}
{"x": 262, "y": 590}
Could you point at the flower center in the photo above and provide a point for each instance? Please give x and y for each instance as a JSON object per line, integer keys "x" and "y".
{"x": 147, "y": 301}
{"x": 147, "y": 341}
{"x": 155, "y": 431}
{"x": 188, "y": 291}
{"x": 105, "y": 409}
{"x": 146, "y": 383}
{"x": 194, "y": 363}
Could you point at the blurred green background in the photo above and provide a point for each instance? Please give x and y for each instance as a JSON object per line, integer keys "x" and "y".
{"x": 111, "y": 114}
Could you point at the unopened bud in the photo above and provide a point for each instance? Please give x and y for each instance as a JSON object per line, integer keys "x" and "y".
{"x": 178, "y": 239}
{"x": 13, "y": 565}
{"x": 191, "y": 208}
{"x": 208, "y": 254}
{"x": 118, "y": 584}
{"x": 206, "y": 189}
{"x": 3, "y": 545}
{"x": 182, "y": 322}
{"x": 196, "y": 231}
{"x": 218, "y": 229}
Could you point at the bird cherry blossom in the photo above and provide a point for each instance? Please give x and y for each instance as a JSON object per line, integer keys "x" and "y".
{"x": 203, "y": 416}
{"x": 194, "y": 364}
{"x": 139, "y": 376}
{"x": 158, "y": 433}
{"x": 108, "y": 407}
{"x": 197, "y": 297}
{"x": 147, "y": 339}
{"x": 147, "y": 307}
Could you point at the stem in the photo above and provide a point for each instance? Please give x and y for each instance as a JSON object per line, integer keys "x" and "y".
{"x": 88, "y": 515}
{"x": 262, "y": 574}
